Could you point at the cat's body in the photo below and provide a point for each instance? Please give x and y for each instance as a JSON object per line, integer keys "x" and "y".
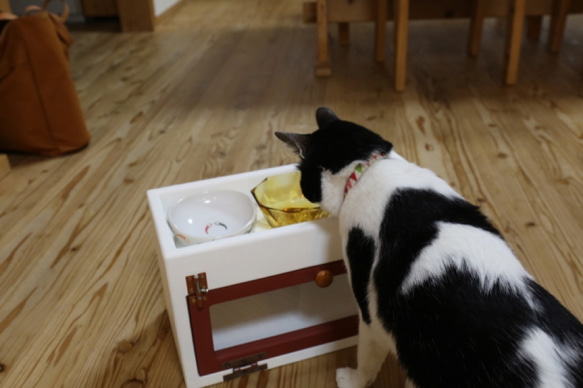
{"x": 434, "y": 281}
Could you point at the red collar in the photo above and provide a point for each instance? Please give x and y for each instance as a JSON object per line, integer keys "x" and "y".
{"x": 360, "y": 169}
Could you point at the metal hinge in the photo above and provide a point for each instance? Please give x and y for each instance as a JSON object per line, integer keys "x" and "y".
{"x": 197, "y": 289}
{"x": 244, "y": 366}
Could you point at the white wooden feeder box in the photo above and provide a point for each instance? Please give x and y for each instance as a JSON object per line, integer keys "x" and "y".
{"x": 251, "y": 302}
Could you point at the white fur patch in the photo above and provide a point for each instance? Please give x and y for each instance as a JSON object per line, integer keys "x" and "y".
{"x": 374, "y": 343}
{"x": 549, "y": 357}
{"x": 365, "y": 203}
{"x": 484, "y": 254}
{"x": 376, "y": 327}
{"x": 333, "y": 188}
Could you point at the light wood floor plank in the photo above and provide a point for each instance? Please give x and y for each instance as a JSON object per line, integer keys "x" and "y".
{"x": 81, "y": 297}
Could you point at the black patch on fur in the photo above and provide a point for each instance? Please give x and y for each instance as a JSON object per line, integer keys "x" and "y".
{"x": 360, "y": 251}
{"x": 410, "y": 224}
{"x": 334, "y": 147}
{"x": 449, "y": 332}
{"x": 554, "y": 319}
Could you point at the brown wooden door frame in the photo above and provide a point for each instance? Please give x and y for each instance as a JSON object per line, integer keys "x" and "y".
{"x": 210, "y": 360}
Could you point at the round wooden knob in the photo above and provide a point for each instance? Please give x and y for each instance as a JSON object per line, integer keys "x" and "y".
{"x": 324, "y": 278}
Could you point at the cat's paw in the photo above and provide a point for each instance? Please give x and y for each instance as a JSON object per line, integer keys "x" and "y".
{"x": 348, "y": 378}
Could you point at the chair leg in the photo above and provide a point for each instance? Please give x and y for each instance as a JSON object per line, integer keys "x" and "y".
{"x": 344, "y": 33}
{"x": 557, "y": 27}
{"x": 476, "y": 27}
{"x": 516, "y": 15}
{"x": 401, "y": 12}
{"x": 381, "y": 30}
{"x": 534, "y": 26}
{"x": 323, "y": 57}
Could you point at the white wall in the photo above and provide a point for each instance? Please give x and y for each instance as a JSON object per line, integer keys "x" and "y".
{"x": 161, "y": 6}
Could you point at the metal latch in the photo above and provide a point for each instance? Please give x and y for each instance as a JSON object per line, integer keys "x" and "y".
{"x": 244, "y": 366}
{"x": 197, "y": 289}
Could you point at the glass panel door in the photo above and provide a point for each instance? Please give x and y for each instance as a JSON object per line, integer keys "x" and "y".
{"x": 272, "y": 316}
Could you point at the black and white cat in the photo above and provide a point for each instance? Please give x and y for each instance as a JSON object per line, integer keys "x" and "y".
{"x": 435, "y": 282}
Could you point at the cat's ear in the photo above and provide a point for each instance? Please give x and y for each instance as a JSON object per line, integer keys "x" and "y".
{"x": 325, "y": 116}
{"x": 297, "y": 141}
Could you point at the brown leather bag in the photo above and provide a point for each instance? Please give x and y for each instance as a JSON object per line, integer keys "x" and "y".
{"x": 40, "y": 111}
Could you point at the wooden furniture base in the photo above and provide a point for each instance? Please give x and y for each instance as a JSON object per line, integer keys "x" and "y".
{"x": 4, "y": 165}
{"x": 401, "y": 17}
{"x": 558, "y": 21}
{"x": 381, "y": 30}
{"x": 319, "y": 10}
{"x": 516, "y": 15}
{"x": 325, "y": 12}
{"x": 322, "y": 68}
{"x": 476, "y": 27}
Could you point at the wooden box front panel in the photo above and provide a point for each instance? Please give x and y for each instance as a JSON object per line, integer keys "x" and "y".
{"x": 265, "y": 318}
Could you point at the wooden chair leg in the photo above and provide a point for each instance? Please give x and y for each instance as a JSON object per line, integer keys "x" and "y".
{"x": 476, "y": 27}
{"x": 557, "y": 27}
{"x": 381, "y": 30}
{"x": 401, "y": 12}
{"x": 323, "y": 57}
{"x": 516, "y": 15}
{"x": 344, "y": 33}
{"x": 534, "y": 26}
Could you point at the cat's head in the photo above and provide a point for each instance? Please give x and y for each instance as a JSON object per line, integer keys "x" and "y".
{"x": 329, "y": 155}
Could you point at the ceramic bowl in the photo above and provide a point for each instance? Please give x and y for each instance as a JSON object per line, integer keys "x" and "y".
{"x": 211, "y": 215}
{"x": 282, "y": 203}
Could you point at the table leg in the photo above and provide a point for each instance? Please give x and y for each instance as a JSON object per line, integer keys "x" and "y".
{"x": 476, "y": 27}
{"x": 516, "y": 15}
{"x": 323, "y": 57}
{"x": 557, "y": 27}
{"x": 344, "y": 33}
{"x": 534, "y": 26}
{"x": 381, "y": 30}
{"x": 4, "y": 165}
{"x": 401, "y": 12}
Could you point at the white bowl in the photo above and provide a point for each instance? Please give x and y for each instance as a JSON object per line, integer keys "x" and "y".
{"x": 211, "y": 215}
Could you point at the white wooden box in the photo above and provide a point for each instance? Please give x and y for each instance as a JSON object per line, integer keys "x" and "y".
{"x": 260, "y": 306}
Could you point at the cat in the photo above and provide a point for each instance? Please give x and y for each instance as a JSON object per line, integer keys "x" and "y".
{"x": 435, "y": 283}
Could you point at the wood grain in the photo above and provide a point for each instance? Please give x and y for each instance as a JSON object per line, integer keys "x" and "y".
{"x": 4, "y": 165}
{"x": 81, "y": 297}
{"x": 99, "y": 8}
{"x": 5, "y": 6}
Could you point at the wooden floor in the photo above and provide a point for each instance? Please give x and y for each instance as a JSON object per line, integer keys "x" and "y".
{"x": 81, "y": 297}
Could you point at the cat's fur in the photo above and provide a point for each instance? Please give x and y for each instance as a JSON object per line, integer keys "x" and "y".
{"x": 434, "y": 281}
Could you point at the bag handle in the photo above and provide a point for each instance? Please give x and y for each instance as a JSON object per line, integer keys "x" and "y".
{"x": 7, "y": 16}
{"x": 62, "y": 18}
{"x": 66, "y": 9}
